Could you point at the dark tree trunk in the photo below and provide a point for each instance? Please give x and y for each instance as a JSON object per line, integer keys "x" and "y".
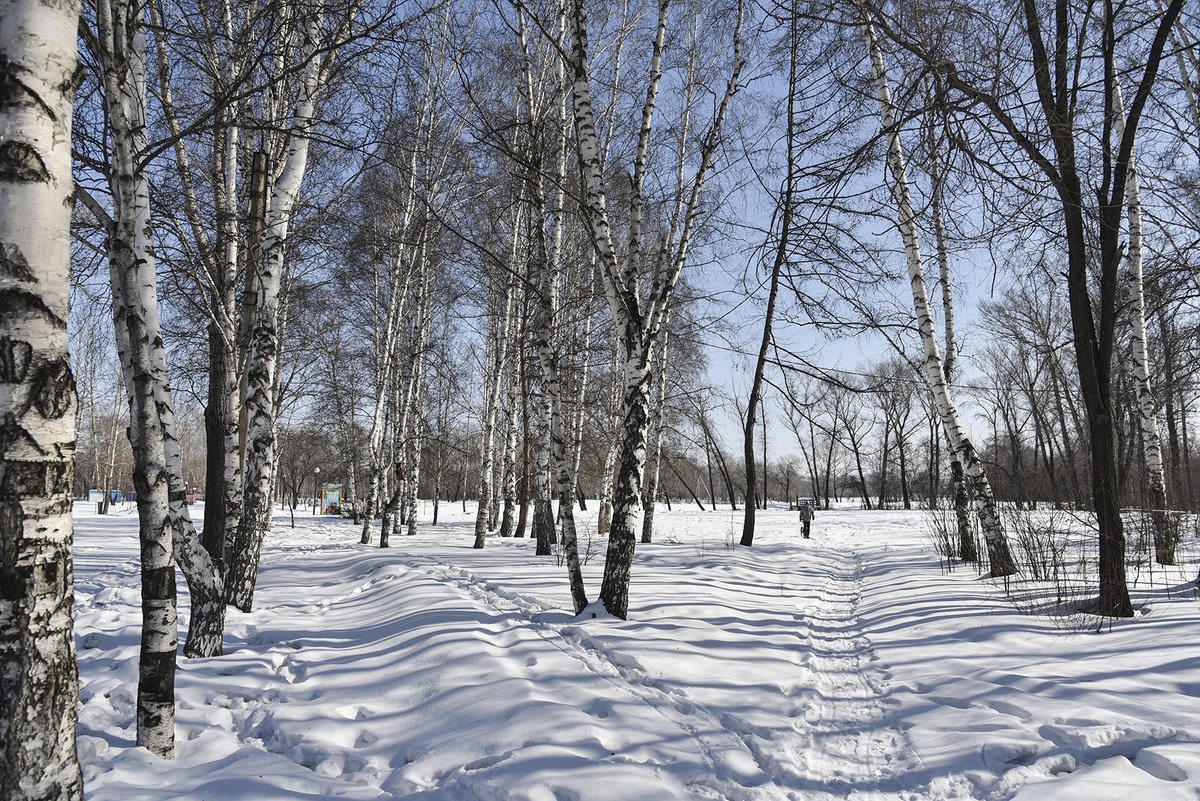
{"x": 213, "y": 535}
{"x": 524, "y": 481}
{"x": 622, "y": 536}
{"x": 962, "y": 503}
{"x": 883, "y": 465}
{"x": 781, "y": 251}
{"x": 686, "y": 486}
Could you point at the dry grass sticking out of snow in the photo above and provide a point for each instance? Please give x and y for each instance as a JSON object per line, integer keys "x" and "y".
{"x": 1057, "y": 554}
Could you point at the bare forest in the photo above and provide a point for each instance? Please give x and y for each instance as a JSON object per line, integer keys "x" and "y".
{"x": 537, "y": 258}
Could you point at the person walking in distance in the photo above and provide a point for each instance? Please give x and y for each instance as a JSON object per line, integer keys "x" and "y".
{"x": 806, "y": 517}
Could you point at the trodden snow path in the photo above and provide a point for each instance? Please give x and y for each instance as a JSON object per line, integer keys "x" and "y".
{"x": 856, "y": 749}
{"x": 845, "y": 666}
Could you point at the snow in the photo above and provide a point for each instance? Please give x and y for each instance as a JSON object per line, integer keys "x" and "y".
{"x": 845, "y": 666}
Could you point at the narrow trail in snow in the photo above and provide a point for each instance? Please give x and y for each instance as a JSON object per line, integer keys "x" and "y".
{"x": 740, "y": 771}
{"x": 855, "y": 749}
{"x": 843, "y": 746}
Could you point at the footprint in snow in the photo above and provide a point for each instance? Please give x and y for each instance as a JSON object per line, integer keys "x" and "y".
{"x": 292, "y": 671}
{"x": 356, "y": 712}
{"x": 598, "y": 708}
{"x": 487, "y": 761}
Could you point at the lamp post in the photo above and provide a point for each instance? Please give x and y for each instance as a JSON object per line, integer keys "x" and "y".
{"x": 316, "y": 489}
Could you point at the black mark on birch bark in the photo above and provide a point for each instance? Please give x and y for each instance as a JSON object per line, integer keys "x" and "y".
{"x": 14, "y": 264}
{"x": 13, "y": 92}
{"x": 54, "y": 390}
{"x": 15, "y": 356}
{"x": 21, "y": 162}
{"x": 16, "y": 302}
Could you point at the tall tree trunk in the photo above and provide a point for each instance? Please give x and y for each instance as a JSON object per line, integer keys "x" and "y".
{"x": 494, "y": 383}
{"x": 883, "y": 462}
{"x": 400, "y": 275}
{"x": 604, "y": 515}
{"x": 39, "y": 684}
{"x": 1000, "y": 558}
{"x": 526, "y": 437}
{"x": 637, "y": 316}
{"x": 658, "y": 425}
{"x": 1164, "y": 537}
{"x": 166, "y": 530}
{"x": 578, "y": 408}
{"x": 213, "y": 534}
{"x": 261, "y": 400}
{"x": 781, "y": 251}
{"x": 902, "y": 455}
{"x": 507, "y": 519}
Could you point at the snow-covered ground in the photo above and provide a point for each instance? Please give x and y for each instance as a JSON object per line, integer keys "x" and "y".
{"x": 845, "y": 666}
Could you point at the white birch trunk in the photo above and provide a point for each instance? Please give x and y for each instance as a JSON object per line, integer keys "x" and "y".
{"x": 166, "y": 527}
{"x": 1143, "y": 385}
{"x": 547, "y": 281}
{"x": 1001, "y": 560}
{"x": 219, "y": 272}
{"x": 391, "y": 518}
{"x": 494, "y": 383}
{"x": 507, "y": 520}
{"x": 134, "y": 316}
{"x": 607, "y": 480}
{"x": 967, "y": 549}
{"x": 38, "y": 679}
{"x": 260, "y": 398}
{"x": 658, "y": 425}
{"x": 583, "y": 371}
{"x": 421, "y": 361}
{"x": 401, "y": 273}
{"x": 544, "y": 531}
{"x": 637, "y": 315}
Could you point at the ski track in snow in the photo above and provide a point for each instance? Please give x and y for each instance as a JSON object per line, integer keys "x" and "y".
{"x": 842, "y": 743}
{"x": 839, "y": 746}
{"x": 722, "y": 753}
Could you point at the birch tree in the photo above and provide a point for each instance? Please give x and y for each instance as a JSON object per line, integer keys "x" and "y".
{"x": 1050, "y": 103}
{"x": 545, "y": 197}
{"x": 38, "y": 678}
{"x": 658, "y": 426}
{"x": 499, "y": 346}
{"x": 209, "y": 228}
{"x": 316, "y": 40}
{"x": 637, "y": 313}
{"x": 1164, "y": 538}
{"x": 166, "y": 532}
{"x": 999, "y": 557}
{"x": 967, "y": 550}
{"x": 101, "y": 399}
{"x": 394, "y": 290}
